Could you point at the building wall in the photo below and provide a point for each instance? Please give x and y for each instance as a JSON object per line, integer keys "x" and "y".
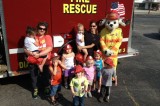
{"x": 143, "y": 1}
{"x": 145, "y": 4}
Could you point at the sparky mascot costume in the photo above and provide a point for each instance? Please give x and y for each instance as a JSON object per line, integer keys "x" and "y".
{"x": 111, "y": 36}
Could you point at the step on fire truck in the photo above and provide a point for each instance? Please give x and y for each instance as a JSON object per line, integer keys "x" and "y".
{"x": 62, "y": 16}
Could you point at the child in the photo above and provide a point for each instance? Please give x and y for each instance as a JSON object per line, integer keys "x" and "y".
{"x": 90, "y": 73}
{"x": 68, "y": 61}
{"x": 32, "y": 44}
{"x": 99, "y": 65}
{"x": 106, "y": 80}
{"x": 56, "y": 76}
{"x": 80, "y": 39}
{"x": 78, "y": 86}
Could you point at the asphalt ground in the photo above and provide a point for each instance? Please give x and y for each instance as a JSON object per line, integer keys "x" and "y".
{"x": 138, "y": 77}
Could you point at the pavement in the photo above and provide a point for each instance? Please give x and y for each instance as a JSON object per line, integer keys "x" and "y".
{"x": 152, "y": 12}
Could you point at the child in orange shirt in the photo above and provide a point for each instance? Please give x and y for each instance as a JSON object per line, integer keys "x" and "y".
{"x": 56, "y": 76}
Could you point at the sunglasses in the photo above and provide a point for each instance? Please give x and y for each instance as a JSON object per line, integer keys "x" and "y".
{"x": 93, "y": 26}
{"x": 42, "y": 28}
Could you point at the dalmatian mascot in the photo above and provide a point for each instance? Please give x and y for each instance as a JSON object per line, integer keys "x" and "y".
{"x": 111, "y": 36}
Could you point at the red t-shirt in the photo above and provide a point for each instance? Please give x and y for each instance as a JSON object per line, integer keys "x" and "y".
{"x": 45, "y": 41}
{"x": 56, "y": 79}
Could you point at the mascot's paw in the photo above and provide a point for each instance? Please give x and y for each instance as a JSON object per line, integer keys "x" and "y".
{"x": 102, "y": 22}
{"x": 108, "y": 52}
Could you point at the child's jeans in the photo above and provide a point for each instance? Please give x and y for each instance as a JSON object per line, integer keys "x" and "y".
{"x": 78, "y": 101}
{"x": 55, "y": 89}
{"x": 105, "y": 91}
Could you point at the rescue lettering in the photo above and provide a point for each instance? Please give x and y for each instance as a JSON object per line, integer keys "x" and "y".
{"x": 81, "y": 1}
{"x": 23, "y": 64}
{"x": 85, "y": 8}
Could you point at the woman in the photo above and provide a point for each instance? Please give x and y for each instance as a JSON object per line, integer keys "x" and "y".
{"x": 91, "y": 39}
{"x": 45, "y": 45}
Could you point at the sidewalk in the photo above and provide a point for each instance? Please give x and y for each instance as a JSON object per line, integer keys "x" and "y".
{"x": 147, "y": 12}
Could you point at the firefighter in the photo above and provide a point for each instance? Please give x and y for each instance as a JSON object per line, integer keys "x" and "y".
{"x": 111, "y": 36}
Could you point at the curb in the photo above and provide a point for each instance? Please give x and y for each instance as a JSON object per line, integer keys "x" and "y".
{"x": 146, "y": 12}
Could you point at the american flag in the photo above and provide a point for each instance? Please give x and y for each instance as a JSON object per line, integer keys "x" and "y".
{"x": 118, "y": 7}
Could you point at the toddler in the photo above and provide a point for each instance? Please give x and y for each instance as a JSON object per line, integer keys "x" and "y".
{"x": 80, "y": 39}
{"x": 78, "y": 86}
{"x": 99, "y": 65}
{"x": 32, "y": 44}
{"x": 106, "y": 79}
{"x": 55, "y": 68}
{"x": 90, "y": 73}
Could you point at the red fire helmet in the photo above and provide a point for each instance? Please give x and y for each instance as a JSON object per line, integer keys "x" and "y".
{"x": 54, "y": 55}
{"x": 109, "y": 62}
{"x": 79, "y": 57}
{"x": 89, "y": 58}
{"x": 78, "y": 69}
{"x": 98, "y": 52}
{"x": 68, "y": 46}
{"x": 112, "y": 15}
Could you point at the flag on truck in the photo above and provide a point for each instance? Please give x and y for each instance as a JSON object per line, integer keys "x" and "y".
{"x": 119, "y": 7}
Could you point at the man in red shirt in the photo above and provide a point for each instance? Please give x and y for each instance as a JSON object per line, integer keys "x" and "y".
{"x": 46, "y": 46}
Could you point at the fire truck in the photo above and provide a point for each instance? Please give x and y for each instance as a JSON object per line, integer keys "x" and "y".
{"x": 62, "y": 16}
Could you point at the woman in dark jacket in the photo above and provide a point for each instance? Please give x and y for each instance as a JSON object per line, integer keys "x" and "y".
{"x": 91, "y": 38}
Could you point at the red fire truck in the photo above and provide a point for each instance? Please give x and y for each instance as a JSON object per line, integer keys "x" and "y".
{"x": 62, "y": 16}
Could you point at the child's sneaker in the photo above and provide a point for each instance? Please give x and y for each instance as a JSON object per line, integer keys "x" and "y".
{"x": 66, "y": 86}
{"x": 100, "y": 99}
{"x": 98, "y": 90}
{"x": 35, "y": 94}
{"x": 106, "y": 99}
{"x": 54, "y": 103}
{"x": 89, "y": 94}
{"x": 57, "y": 97}
{"x": 85, "y": 95}
{"x": 94, "y": 90}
